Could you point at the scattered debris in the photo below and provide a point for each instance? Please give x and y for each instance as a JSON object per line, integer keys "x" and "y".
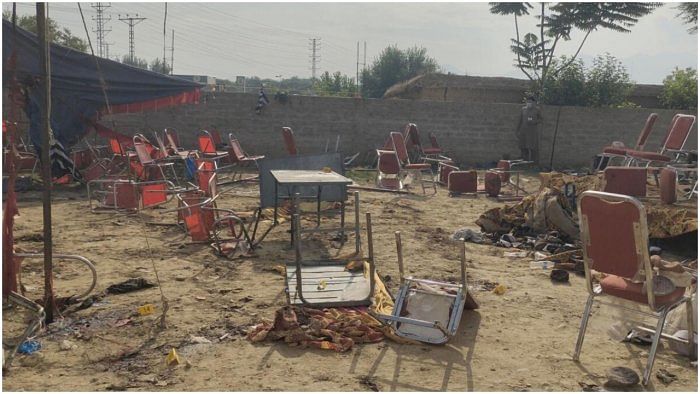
{"x": 665, "y": 376}
{"x": 589, "y": 387}
{"x": 128, "y": 286}
{"x": 67, "y": 345}
{"x": 468, "y": 235}
{"x": 370, "y": 382}
{"x": 172, "y": 358}
{"x": 500, "y": 289}
{"x": 622, "y": 377}
{"x": 559, "y": 276}
{"x": 146, "y": 310}
{"x": 29, "y": 347}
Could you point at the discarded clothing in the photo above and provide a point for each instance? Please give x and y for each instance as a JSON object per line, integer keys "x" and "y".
{"x": 128, "y": 286}
{"x": 335, "y": 329}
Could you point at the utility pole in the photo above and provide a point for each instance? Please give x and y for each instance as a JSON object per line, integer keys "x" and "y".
{"x": 101, "y": 29}
{"x": 315, "y": 56}
{"x": 46, "y": 137}
{"x": 131, "y": 21}
{"x": 165, "y": 21}
{"x": 172, "y": 53}
{"x": 364, "y": 59}
{"x": 357, "y": 69}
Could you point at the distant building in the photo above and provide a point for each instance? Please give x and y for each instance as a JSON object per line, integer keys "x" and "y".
{"x": 209, "y": 83}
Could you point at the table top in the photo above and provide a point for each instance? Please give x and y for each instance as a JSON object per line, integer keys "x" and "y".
{"x": 309, "y": 177}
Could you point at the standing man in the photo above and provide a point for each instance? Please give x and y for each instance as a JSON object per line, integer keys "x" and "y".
{"x": 528, "y": 130}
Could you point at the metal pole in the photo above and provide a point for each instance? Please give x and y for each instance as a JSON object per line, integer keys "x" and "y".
{"x": 45, "y": 67}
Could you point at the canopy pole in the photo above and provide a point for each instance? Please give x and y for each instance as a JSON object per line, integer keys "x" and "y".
{"x": 45, "y": 67}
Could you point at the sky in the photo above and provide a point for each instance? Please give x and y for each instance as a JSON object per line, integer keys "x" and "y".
{"x": 272, "y": 40}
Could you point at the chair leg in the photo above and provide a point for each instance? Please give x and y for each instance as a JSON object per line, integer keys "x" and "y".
{"x": 584, "y": 325}
{"x": 654, "y": 345}
{"x": 692, "y": 349}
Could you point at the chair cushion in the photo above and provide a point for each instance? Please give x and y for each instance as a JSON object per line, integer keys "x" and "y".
{"x": 417, "y": 166}
{"x": 652, "y": 156}
{"x": 623, "y": 288}
{"x": 432, "y": 151}
{"x": 667, "y": 185}
{"x": 630, "y": 181}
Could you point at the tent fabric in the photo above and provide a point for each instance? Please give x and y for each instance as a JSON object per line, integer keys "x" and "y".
{"x": 76, "y": 89}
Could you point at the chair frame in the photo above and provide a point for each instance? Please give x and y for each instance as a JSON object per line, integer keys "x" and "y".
{"x": 641, "y": 237}
{"x": 676, "y": 153}
{"x": 641, "y": 142}
{"x": 147, "y": 161}
{"x": 398, "y": 142}
{"x": 460, "y": 299}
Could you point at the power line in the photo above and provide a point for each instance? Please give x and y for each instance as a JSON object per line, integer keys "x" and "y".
{"x": 101, "y": 30}
{"x": 131, "y": 21}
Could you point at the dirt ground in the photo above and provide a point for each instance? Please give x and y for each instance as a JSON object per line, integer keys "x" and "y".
{"x": 522, "y": 340}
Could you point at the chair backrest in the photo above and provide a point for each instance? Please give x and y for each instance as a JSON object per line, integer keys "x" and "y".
{"x": 667, "y": 185}
{"x": 153, "y": 194}
{"x": 141, "y": 146}
{"x": 388, "y": 163}
{"x": 614, "y": 233}
{"x": 399, "y": 147}
{"x": 646, "y": 131}
{"x": 630, "y": 181}
{"x": 505, "y": 166}
{"x": 116, "y": 147}
{"x": 206, "y": 171}
{"x": 433, "y": 141}
{"x": 411, "y": 136}
{"x": 289, "y": 142}
{"x": 236, "y": 147}
{"x": 161, "y": 144}
{"x": 680, "y": 130}
{"x": 216, "y": 137}
{"x": 172, "y": 138}
{"x": 206, "y": 142}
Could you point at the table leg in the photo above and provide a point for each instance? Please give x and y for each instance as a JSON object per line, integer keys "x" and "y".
{"x": 342, "y": 222}
{"x": 318, "y": 207}
{"x": 275, "y": 220}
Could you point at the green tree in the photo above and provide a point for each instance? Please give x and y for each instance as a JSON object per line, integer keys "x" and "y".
{"x": 536, "y": 52}
{"x": 395, "y": 65}
{"x": 159, "y": 66}
{"x": 58, "y": 35}
{"x": 689, "y": 14}
{"x": 336, "y": 84}
{"x": 568, "y": 87}
{"x": 680, "y": 89}
{"x": 604, "y": 84}
{"x": 136, "y": 62}
{"x": 607, "y": 82}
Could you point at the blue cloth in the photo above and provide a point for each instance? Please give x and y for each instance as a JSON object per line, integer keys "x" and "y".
{"x": 29, "y": 347}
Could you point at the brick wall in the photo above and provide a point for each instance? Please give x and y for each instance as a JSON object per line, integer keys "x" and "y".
{"x": 472, "y": 132}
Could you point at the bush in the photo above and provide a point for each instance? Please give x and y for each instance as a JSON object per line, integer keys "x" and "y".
{"x": 680, "y": 89}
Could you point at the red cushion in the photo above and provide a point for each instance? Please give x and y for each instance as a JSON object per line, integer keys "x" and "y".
{"x": 667, "y": 185}
{"x": 652, "y": 156}
{"x": 615, "y": 151}
{"x": 417, "y": 166}
{"x": 432, "y": 151}
{"x": 630, "y": 181}
{"x": 620, "y": 287}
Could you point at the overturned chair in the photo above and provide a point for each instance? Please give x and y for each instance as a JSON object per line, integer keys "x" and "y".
{"x": 426, "y": 310}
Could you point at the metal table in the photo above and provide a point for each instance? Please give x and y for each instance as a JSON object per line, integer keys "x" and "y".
{"x": 293, "y": 179}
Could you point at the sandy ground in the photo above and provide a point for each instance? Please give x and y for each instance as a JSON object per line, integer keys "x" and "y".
{"x": 520, "y": 341}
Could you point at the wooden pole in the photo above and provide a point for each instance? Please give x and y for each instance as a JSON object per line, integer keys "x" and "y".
{"x": 45, "y": 85}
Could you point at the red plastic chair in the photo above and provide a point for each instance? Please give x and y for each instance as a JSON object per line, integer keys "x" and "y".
{"x": 289, "y": 141}
{"x": 239, "y": 154}
{"x": 462, "y": 182}
{"x": 419, "y": 169}
{"x": 616, "y": 244}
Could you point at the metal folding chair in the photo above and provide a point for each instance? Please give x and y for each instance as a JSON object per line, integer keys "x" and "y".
{"x": 672, "y": 148}
{"x": 388, "y": 170}
{"x": 616, "y": 244}
{"x": 620, "y": 151}
{"x": 417, "y": 169}
{"x": 426, "y": 310}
